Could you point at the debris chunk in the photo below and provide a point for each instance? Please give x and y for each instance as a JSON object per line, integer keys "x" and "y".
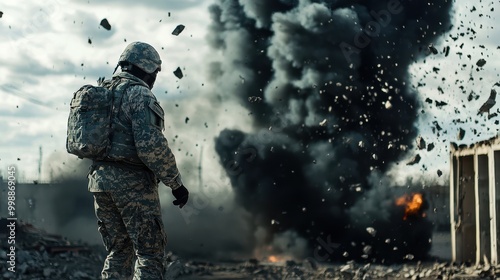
{"x": 439, "y": 173}
{"x": 388, "y": 104}
{"x": 433, "y": 49}
{"x": 178, "y": 73}
{"x": 90, "y": 41}
{"x": 420, "y": 143}
{"x": 371, "y": 231}
{"x": 105, "y": 24}
{"x": 489, "y": 103}
{"x": 447, "y": 51}
{"x": 361, "y": 144}
{"x": 178, "y": 29}
{"x": 1, "y": 14}
{"x": 461, "y": 134}
{"x": 414, "y": 160}
{"x": 481, "y": 62}
{"x": 409, "y": 257}
{"x": 430, "y": 147}
{"x": 323, "y": 122}
{"x": 440, "y": 104}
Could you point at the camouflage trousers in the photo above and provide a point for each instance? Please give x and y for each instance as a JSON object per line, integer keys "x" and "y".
{"x": 130, "y": 224}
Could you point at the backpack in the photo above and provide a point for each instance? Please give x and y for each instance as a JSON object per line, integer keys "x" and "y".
{"x": 90, "y": 125}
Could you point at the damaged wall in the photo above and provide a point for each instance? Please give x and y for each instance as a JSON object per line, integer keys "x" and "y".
{"x": 475, "y": 200}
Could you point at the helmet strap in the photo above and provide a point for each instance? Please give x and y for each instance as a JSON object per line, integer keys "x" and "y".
{"x": 139, "y": 73}
{"x": 116, "y": 68}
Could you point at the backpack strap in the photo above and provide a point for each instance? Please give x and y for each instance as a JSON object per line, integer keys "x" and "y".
{"x": 115, "y": 110}
{"x": 112, "y": 87}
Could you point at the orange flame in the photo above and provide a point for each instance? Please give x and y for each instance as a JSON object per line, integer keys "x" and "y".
{"x": 412, "y": 203}
{"x": 273, "y": 259}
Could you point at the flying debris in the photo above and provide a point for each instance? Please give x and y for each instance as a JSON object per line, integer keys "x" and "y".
{"x": 414, "y": 160}
{"x": 178, "y": 73}
{"x": 1, "y": 14}
{"x": 439, "y": 173}
{"x": 105, "y": 24}
{"x": 433, "y": 49}
{"x": 90, "y": 41}
{"x": 361, "y": 144}
{"x": 430, "y": 147}
{"x": 388, "y": 104}
{"x": 420, "y": 143}
{"x": 461, "y": 134}
{"x": 178, "y": 29}
{"x": 447, "y": 51}
{"x": 489, "y": 103}
{"x": 440, "y": 104}
{"x": 371, "y": 231}
{"x": 481, "y": 62}
{"x": 303, "y": 88}
{"x": 323, "y": 122}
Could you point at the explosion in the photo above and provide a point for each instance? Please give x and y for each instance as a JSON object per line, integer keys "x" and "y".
{"x": 412, "y": 204}
{"x": 328, "y": 90}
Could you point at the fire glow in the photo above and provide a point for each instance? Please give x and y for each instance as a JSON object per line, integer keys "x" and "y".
{"x": 273, "y": 259}
{"x": 412, "y": 203}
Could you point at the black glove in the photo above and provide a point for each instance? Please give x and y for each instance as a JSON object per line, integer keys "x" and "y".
{"x": 181, "y": 194}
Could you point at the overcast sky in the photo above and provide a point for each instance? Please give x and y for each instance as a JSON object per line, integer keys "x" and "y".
{"x": 46, "y": 54}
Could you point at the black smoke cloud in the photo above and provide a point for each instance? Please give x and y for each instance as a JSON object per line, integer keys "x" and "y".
{"x": 335, "y": 112}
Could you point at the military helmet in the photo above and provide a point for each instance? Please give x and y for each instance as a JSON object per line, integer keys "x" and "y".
{"x": 141, "y": 55}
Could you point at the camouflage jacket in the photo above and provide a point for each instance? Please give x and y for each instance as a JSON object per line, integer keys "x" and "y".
{"x": 138, "y": 142}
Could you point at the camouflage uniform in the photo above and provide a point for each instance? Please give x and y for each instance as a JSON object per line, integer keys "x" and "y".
{"x": 125, "y": 188}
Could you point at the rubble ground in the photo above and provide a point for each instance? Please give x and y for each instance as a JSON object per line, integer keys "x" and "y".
{"x": 306, "y": 271}
{"x": 39, "y": 264}
{"x": 40, "y": 255}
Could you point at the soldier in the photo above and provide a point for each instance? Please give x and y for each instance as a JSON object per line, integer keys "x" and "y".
{"x": 125, "y": 187}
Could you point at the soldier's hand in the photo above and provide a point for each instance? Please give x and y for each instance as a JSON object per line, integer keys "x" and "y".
{"x": 181, "y": 194}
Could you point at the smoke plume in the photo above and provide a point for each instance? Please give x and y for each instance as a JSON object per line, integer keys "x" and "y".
{"x": 327, "y": 86}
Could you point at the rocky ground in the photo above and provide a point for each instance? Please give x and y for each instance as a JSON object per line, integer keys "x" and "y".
{"x": 46, "y": 256}
{"x": 35, "y": 265}
{"x": 349, "y": 270}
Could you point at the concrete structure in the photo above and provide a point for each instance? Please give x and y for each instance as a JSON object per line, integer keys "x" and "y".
{"x": 475, "y": 201}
